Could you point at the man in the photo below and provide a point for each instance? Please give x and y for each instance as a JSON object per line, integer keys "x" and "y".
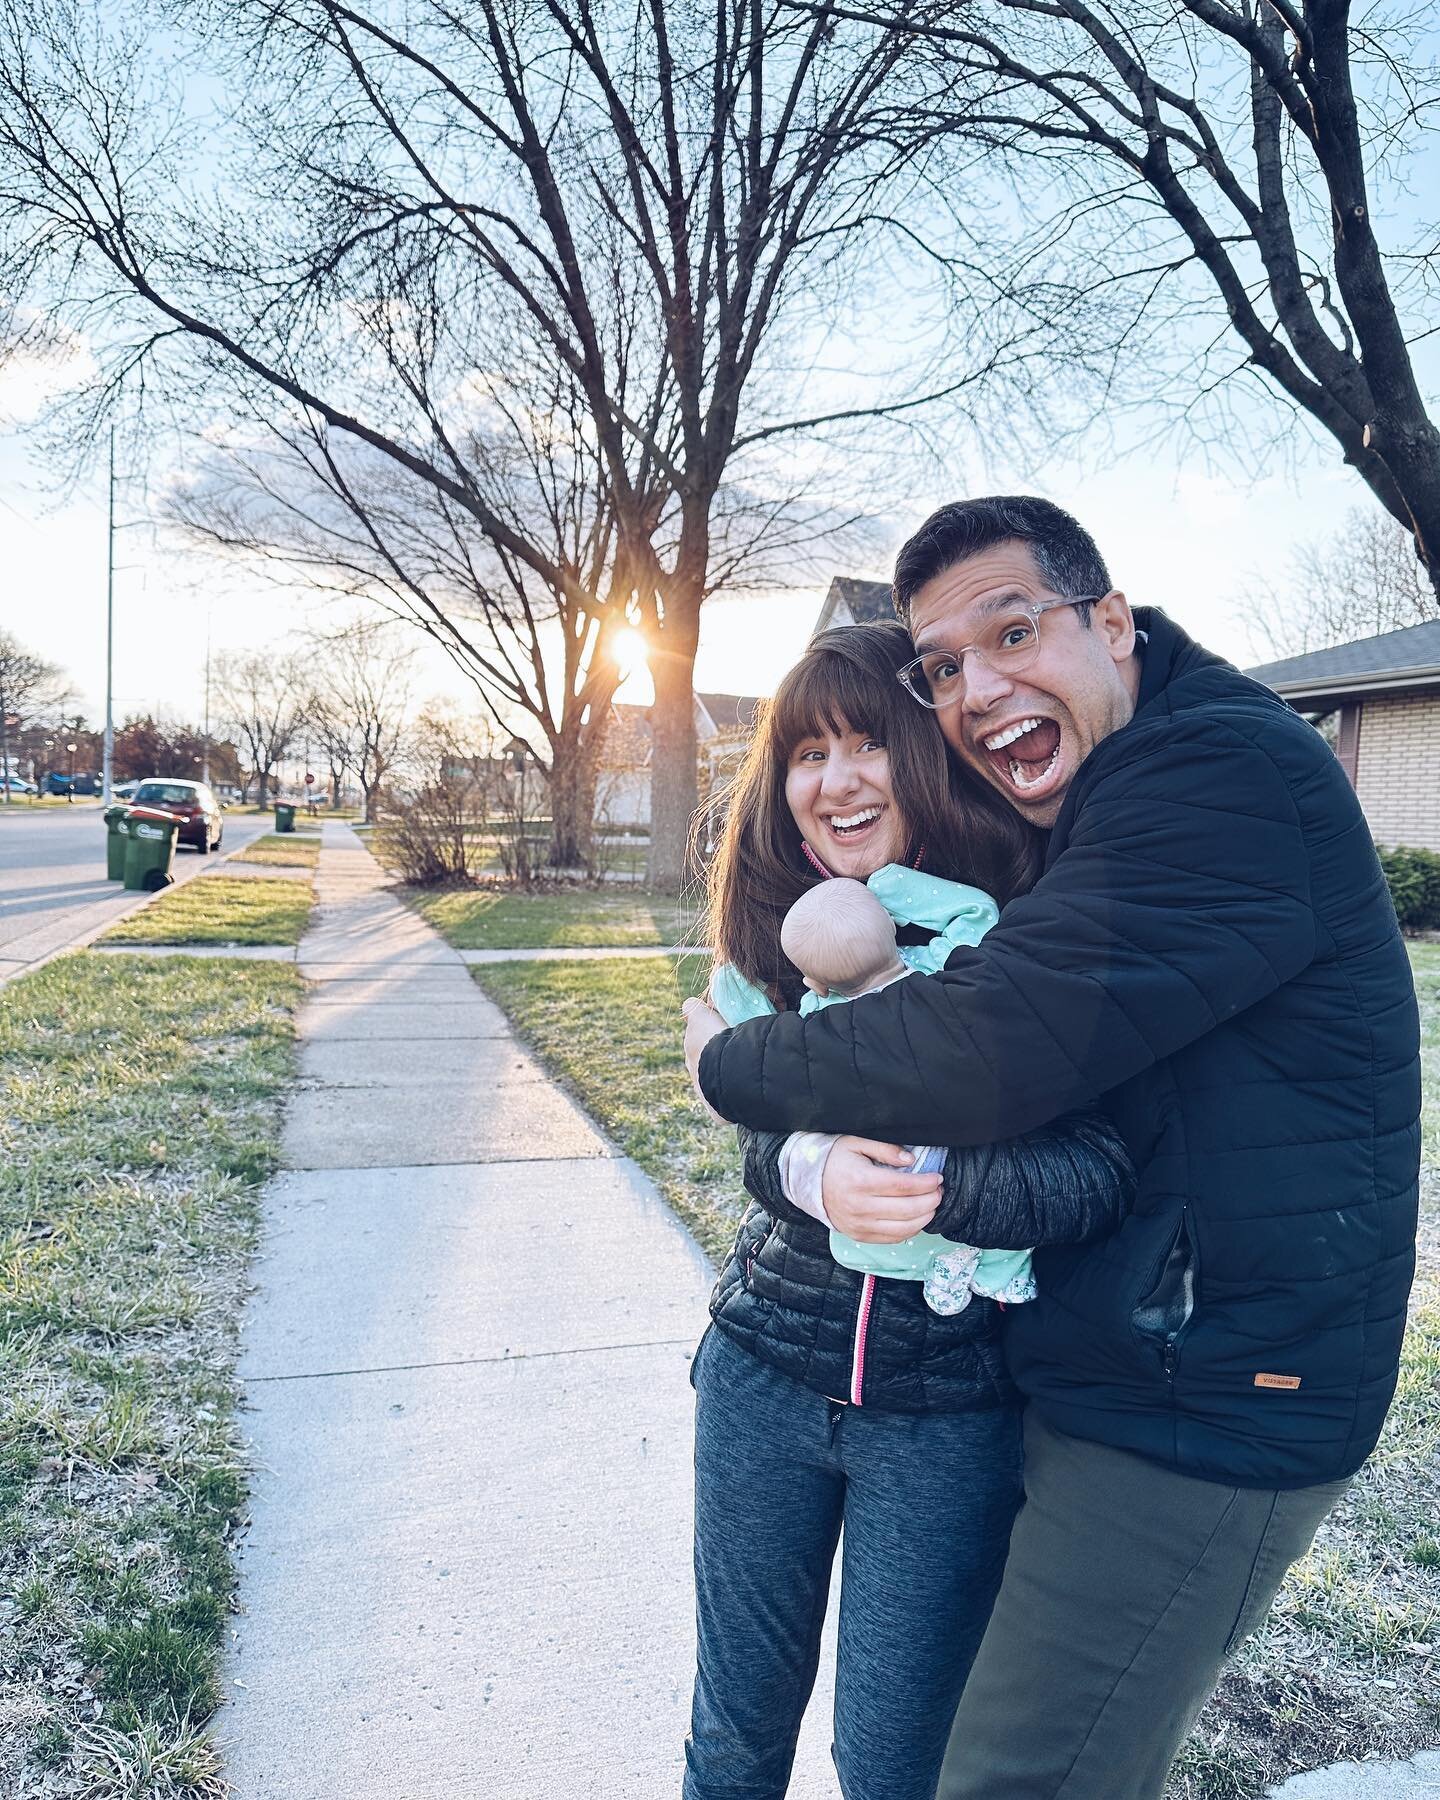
{"x": 1211, "y": 950}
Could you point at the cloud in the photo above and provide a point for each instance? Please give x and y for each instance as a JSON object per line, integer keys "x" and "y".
{"x": 40, "y": 360}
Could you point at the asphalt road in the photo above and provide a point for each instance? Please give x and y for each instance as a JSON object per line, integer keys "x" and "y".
{"x": 53, "y": 891}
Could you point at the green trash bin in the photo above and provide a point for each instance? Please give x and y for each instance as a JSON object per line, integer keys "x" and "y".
{"x": 149, "y": 848}
{"x": 116, "y": 838}
{"x": 284, "y": 816}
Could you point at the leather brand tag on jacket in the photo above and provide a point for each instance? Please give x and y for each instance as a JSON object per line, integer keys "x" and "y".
{"x": 1277, "y": 1381}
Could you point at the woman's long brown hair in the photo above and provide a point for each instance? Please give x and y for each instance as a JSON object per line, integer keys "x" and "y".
{"x": 845, "y": 682}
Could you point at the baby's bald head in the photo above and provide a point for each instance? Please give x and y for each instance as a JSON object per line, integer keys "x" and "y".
{"x": 841, "y": 938}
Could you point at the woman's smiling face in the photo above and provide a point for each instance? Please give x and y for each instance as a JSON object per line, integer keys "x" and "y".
{"x": 837, "y": 786}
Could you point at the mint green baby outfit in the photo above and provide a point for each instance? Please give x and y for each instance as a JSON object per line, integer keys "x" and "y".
{"x": 958, "y": 915}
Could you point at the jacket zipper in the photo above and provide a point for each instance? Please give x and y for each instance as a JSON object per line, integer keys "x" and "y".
{"x": 753, "y": 1257}
{"x": 1170, "y": 1355}
{"x": 862, "y": 1327}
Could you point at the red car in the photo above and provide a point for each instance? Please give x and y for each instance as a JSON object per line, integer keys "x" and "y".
{"x": 193, "y": 802}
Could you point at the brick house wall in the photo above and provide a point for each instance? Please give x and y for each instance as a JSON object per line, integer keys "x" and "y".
{"x": 1397, "y": 772}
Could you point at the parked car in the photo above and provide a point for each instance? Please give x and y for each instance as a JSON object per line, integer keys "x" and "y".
{"x": 124, "y": 790}
{"x": 196, "y": 805}
{"x": 17, "y": 784}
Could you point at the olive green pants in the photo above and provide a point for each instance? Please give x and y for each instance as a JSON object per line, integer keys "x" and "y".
{"x": 1126, "y": 1587}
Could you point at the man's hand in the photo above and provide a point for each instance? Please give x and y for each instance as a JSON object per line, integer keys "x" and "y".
{"x": 701, "y": 1024}
{"x": 868, "y": 1198}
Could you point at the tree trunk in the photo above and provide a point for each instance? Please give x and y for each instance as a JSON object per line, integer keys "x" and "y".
{"x": 674, "y": 787}
{"x": 572, "y": 805}
{"x": 574, "y": 778}
{"x": 1401, "y": 433}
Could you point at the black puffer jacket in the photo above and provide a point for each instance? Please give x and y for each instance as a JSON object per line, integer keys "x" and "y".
{"x": 1212, "y": 948}
{"x": 875, "y": 1342}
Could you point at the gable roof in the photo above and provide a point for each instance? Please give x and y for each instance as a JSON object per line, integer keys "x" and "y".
{"x": 851, "y": 601}
{"x": 730, "y": 712}
{"x": 629, "y": 742}
{"x": 1394, "y": 660}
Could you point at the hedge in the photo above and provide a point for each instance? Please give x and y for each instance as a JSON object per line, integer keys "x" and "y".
{"x": 1414, "y": 878}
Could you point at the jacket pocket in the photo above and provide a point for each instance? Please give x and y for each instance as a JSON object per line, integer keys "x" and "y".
{"x": 695, "y": 1354}
{"x": 1166, "y": 1307}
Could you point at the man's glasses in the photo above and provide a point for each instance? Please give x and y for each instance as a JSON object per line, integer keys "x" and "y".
{"x": 1009, "y": 643}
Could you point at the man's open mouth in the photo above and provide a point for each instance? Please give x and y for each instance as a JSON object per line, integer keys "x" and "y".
{"x": 1025, "y": 752}
{"x": 854, "y": 824}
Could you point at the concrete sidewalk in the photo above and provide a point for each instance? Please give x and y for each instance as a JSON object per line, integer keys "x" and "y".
{"x": 1417, "y": 1779}
{"x": 467, "y": 1571}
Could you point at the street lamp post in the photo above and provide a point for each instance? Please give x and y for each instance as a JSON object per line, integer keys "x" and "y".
{"x": 70, "y": 791}
{"x": 205, "y": 768}
{"x": 107, "y": 763}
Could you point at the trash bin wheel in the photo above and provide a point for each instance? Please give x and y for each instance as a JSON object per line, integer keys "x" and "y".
{"x": 157, "y": 879}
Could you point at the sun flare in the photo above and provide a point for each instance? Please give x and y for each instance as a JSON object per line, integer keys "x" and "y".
{"x": 630, "y": 650}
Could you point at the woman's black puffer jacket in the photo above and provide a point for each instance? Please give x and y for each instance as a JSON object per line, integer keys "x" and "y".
{"x": 874, "y": 1341}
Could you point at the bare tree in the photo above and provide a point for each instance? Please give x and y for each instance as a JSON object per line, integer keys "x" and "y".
{"x": 28, "y": 686}
{"x": 447, "y": 782}
{"x": 1359, "y": 582}
{"x": 364, "y": 680}
{"x": 1199, "y": 175}
{"x": 331, "y": 733}
{"x": 260, "y": 697}
{"x": 683, "y": 206}
{"x": 347, "y": 520}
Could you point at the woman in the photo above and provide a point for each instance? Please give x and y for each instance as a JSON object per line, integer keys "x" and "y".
{"x": 826, "y": 1397}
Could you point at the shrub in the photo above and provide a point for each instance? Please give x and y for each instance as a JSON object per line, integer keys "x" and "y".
{"x": 1414, "y": 881}
{"x": 428, "y": 834}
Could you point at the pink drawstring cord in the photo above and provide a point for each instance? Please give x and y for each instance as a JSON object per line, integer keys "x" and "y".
{"x": 829, "y": 874}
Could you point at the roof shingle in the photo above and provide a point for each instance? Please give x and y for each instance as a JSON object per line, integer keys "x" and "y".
{"x": 1391, "y": 653}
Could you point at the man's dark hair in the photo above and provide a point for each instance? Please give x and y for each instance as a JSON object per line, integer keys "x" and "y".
{"x": 1064, "y": 551}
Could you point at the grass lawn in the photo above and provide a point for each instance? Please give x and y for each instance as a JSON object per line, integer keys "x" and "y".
{"x": 489, "y": 919}
{"x": 304, "y": 821}
{"x": 219, "y": 909}
{"x": 622, "y": 857}
{"x": 20, "y": 804}
{"x": 138, "y": 1111}
{"x": 1348, "y": 1664}
{"x": 283, "y": 850}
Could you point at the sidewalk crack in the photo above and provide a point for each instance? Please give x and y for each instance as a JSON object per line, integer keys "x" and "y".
{"x": 468, "y": 1362}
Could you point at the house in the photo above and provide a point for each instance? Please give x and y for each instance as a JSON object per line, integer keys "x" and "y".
{"x": 723, "y": 723}
{"x": 851, "y": 601}
{"x": 1381, "y": 698}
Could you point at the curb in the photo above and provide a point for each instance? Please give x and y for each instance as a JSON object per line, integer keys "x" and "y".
{"x": 84, "y": 939}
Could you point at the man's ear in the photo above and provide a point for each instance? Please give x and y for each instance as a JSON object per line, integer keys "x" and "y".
{"x": 1114, "y": 621}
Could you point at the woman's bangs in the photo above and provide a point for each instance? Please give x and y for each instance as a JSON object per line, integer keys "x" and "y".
{"x": 824, "y": 694}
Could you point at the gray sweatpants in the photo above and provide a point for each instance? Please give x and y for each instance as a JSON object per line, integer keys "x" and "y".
{"x": 1126, "y": 1587}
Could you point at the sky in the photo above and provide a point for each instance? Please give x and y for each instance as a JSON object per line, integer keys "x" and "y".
{"x": 1197, "y": 539}
{"x": 1208, "y": 538}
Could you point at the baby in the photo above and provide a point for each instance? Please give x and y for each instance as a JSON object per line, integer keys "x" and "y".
{"x": 840, "y": 934}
